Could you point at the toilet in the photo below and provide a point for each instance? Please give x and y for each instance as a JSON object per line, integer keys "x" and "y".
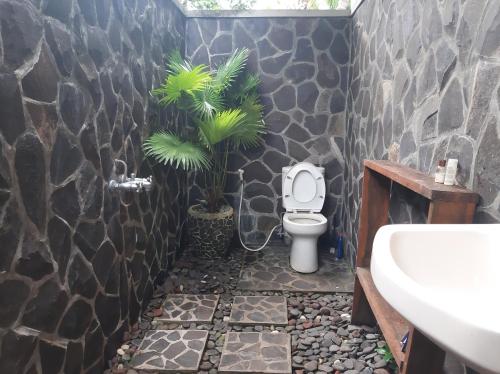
{"x": 303, "y": 190}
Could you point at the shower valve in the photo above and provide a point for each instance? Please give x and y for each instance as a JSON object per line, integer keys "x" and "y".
{"x": 132, "y": 184}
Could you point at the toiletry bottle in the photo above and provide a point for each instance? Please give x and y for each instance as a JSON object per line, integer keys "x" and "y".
{"x": 440, "y": 171}
{"x": 340, "y": 247}
{"x": 451, "y": 171}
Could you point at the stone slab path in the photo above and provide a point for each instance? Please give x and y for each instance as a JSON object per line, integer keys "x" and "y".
{"x": 189, "y": 308}
{"x": 259, "y": 310}
{"x": 170, "y": 351}
{"x": 253, "y": 352}
{"x": 270, "y": 270}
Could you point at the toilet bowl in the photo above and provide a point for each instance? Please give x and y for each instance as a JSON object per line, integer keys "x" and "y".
{"x": 303, "y": 188}
{"x": 305, "y": 229}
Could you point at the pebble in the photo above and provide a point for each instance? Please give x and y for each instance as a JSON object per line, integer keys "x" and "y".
{"x": 380, "y": 364}
{"x": 380, "y": 371}
{"x": 325, "y": 368}
{"x": 294, "y": 312}
{"x": 311, "y": 365}
{"x": 323, "y": 339}
{"x": 349, "y": 363}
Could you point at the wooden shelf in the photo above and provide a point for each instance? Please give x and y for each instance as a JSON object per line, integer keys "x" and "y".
{"x": 392, "y": 324}
{"x": 421, "y": 183}
{"x": 447, "y": 204}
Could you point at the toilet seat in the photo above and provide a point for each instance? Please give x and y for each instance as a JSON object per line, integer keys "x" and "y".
{"x": 305, "y": 223}
{"x": 303, "y": 188}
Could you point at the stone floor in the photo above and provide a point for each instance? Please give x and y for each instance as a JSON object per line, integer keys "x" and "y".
{"x": 189, "y": 308}
{"x": 170, "y": 350}
{"x": 256, "y": 352}
{"x": 321, "y": 338}
{"x": 255, "y": 310}
{"x": 270, "y": 270}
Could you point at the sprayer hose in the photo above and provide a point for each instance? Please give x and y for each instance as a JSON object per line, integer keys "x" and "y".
{"x": 239, "y": 225}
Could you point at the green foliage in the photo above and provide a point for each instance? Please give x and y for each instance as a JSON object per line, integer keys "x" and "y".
{"x": 216, "y": 4}
{"x": 333, "y": 4}
{"x": 224, "y": 107}
{"x": 168, "y": 148}
{"x": 204, "y": 4}
{"x": 187, "y": 81}
{"x": 387, "y": 355}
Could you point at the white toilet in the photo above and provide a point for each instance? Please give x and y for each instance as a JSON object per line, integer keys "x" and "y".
{"x": 303, "y": 190}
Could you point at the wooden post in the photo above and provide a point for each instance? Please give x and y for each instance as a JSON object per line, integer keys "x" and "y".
{"x": 374, "y": 214}
{"x": 422, "y": 355}
{"x": 361, "y": 312}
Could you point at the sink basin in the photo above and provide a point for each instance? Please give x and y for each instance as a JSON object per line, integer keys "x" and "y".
{"x": 445, "y": 280}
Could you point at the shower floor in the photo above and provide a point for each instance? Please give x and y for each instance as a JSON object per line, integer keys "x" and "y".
{"x": 269, "y": 270}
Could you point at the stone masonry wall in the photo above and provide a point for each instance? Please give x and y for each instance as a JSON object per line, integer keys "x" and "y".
{"x": 303, "y": 65}
{"x": 78, "y": 264}
{"x": 426, "y": 75}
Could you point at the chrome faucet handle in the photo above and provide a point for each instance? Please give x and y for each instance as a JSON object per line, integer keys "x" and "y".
{"x": 132, "y": 175}
{"x": 150, "y": 179}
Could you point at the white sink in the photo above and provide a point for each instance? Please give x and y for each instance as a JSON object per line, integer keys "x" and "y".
{"x": 445, "y": 280}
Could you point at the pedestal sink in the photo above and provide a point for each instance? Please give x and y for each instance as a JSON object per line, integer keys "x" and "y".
{"x": 445, "y": 280}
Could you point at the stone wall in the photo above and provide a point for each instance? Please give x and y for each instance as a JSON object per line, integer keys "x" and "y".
{"x": 78, "y": 264}
{"x": 303, "y": 65}
{"x": 425, "y": 75}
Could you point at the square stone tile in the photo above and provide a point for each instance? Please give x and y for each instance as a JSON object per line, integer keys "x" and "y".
{"x": 170, "y": 351}
{"x": 254, "y": 352}
{"x": 270, "y": 270}
{"x": 259, "y": 310}
{"x": 189, "y": 308}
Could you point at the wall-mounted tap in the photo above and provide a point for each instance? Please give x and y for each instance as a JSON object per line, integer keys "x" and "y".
{"x": 131, "y": 184}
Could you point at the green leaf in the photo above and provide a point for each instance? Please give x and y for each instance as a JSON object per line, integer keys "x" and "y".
{"x": 206, "y": 102}
{"x": 187, "y": 80}
{"x": 176, "y": 64}
{"x": 333, "y": 4}
{"x": 249, "y": 134}
{"x": 227, "y": 72}
{"x": 167, "y": 148}
{"x": 222, "y": 126}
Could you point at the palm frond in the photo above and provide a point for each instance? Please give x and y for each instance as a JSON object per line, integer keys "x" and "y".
{"x": 227, "y": 72}
{"x": 176, "y": 64}
{"x": 167, "y": 148}
{"x": 243, "y": 87}
{"x": 249, "y": 134}
{"x": 206, "y": 102}
{"x": 221, "y": 126}
{"x": 185, "y": 81}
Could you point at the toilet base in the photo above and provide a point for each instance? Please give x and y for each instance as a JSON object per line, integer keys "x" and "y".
{"x": 304, "y": 254}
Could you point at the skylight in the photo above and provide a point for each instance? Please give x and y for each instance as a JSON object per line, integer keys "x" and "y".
{"x": 265, "y": 4}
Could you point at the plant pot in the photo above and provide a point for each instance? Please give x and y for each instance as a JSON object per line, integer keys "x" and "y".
{"x": 210, "y": 233}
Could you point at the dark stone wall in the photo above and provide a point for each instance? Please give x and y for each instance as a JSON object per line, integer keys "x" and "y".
{"x": 78, "y": 264}
{"x": 303, "y": 65}
{"x": 424, "y": 75}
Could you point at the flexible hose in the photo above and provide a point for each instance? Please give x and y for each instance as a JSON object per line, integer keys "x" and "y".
{"x": 239, "y": 222}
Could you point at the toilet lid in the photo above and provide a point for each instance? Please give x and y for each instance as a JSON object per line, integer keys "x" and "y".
{"x": 303, "y": 188}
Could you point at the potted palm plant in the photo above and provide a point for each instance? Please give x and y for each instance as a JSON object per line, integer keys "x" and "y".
{"x": 224, "y": 114}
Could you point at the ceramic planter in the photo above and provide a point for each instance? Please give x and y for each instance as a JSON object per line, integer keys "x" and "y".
{"x": 210, "y": 233}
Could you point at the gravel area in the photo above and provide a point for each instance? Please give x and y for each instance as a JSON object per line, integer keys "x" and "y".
{"x": 323, "y": 340}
